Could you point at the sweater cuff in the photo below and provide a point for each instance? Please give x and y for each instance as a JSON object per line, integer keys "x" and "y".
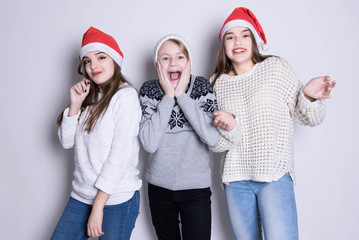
{"x": 234, "y": 134}
{"x": 306, "y": 103}
{"x": 69, "y": 120}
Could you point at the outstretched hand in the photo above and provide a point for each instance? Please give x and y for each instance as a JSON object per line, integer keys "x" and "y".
{"x": 224, "y": 120}
{"x": 184, "y": 80}
{"x": 164, "y": 81}
{"x": 319, "y": 88}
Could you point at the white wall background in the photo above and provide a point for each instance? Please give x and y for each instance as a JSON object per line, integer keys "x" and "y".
{"x": 40, "y": 41}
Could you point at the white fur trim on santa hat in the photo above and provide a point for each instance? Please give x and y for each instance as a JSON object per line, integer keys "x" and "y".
{"x": 167, "y": 37}
{"x": 243, "y": 23}
{"x": 96, "y": 46}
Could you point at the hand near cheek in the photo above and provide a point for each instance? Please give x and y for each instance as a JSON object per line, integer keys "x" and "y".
{"x": 164, "y": 81}
{"x": 224, "y": 120}
{"x": 78, "y": 93}
{"x": 184, "y": 80}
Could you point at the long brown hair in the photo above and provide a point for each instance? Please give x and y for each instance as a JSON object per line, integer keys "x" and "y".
{"x": 97, "y": 106}
{"x": 224, "y": 64}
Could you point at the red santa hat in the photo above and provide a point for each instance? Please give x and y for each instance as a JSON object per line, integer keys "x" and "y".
{"x": 94, "y": 39}
{"x": 243, "y": 17}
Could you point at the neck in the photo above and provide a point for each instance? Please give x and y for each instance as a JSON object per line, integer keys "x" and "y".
{"x": 240, "y": 68}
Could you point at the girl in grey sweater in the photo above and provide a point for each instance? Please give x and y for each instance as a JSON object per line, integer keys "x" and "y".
{"x": 176, "y": 127}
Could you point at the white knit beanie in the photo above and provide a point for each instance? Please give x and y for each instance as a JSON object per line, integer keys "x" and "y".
{"x": 168, "y": 37}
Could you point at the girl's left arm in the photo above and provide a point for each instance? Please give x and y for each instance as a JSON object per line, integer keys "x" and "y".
{"x": 198, "y": 106}
{"x": 127, "y": 115}
{"x": 67, "y": 130}
{"x": 306, "y": 111}
{"x": 94, "y": 223}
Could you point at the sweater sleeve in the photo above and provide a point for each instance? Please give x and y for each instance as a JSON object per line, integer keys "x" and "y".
{"x": 155, "y": 117}
{"x": 306, "y": 112}
{"x": 67, "y": 130}
{"x": 127, "y": 115}
{"x": 198, "y": 108}
{"x": 227, "y": 139}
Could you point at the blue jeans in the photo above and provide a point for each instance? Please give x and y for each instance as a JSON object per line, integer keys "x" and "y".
{"x": 118, "y": 220}
{"x": 271, "y": 205}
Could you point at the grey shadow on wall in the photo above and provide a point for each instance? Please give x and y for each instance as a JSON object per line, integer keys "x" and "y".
{"x": 145, "y": 214}
{"x": 67, "y": 155}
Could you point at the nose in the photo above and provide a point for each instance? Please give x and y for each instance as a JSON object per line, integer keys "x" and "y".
{"x": 94, "y": 64}
{"x": 173, "y": 62}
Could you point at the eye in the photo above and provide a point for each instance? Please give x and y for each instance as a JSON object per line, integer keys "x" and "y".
{"x": 246, "y": 36}
{"x": 229, "y": 37}
{"x": 164, "y": 59}
{"x": 101, "y": 57}
{"x": 181, "y": 57}
{"x": 85, "y": 61}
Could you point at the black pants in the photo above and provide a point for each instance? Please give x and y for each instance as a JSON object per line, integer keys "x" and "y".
{"x": 193, "y": 206}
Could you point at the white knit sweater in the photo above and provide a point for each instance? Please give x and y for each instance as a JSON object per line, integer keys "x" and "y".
{"x": 106, "y": 158}
{"x": 265, "y": 101}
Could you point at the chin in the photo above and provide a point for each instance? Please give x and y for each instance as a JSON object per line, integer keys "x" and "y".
{"x": 174, "y": 84}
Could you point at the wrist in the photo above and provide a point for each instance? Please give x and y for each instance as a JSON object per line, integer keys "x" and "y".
{"x": 311, "y": 99}
{"x": 170, "y": 95}
{"x": 73, "y": 110}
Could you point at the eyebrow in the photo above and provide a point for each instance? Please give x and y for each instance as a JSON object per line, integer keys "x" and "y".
{"x": 95, "y": 54}
{"x": 168, "y": 54}
{"x": 245, "y": 30}
{"x": 100, "y": 53}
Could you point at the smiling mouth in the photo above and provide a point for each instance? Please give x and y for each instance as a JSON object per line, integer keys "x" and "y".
{"x": 174, "y": 76}
{"x": 241, "y": 50}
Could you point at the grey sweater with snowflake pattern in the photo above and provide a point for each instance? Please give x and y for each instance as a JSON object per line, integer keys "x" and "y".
{"x": 176, "y": 133}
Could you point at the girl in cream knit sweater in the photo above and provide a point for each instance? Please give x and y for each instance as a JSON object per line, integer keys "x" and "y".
{"x": 265, "y": 96}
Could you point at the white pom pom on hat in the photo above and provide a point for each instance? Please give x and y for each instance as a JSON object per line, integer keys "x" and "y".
{"x": 168, "y": 37}
{"x": 243, "y": 17}
{"x": 96, "y": 40}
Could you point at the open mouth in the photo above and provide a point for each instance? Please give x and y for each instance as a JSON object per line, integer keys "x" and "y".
{"x": 174, "y": 76}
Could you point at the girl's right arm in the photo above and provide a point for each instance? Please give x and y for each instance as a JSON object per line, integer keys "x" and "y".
{"x": 156, "y": 112}
{"x": 229, "y": 130}
{"x": 66, "y": 131}
{"x": 229, "y": 137}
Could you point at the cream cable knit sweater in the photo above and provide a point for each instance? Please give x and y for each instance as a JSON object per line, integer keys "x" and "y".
{"x": 265, "y": 100}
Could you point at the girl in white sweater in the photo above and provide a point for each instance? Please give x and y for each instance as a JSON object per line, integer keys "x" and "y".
{"x": 102, "y": 125}
{"x": 265, "y": 96}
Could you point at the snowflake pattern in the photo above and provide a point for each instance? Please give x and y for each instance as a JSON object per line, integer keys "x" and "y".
{"x": 201, "y": 87}
{"x": 144, "y": 110}
{"x": 151, "y": 90}
{"x": 177, "y": 119}
{"x": 200, "y": 91}
{"x": 209, "y": 106}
